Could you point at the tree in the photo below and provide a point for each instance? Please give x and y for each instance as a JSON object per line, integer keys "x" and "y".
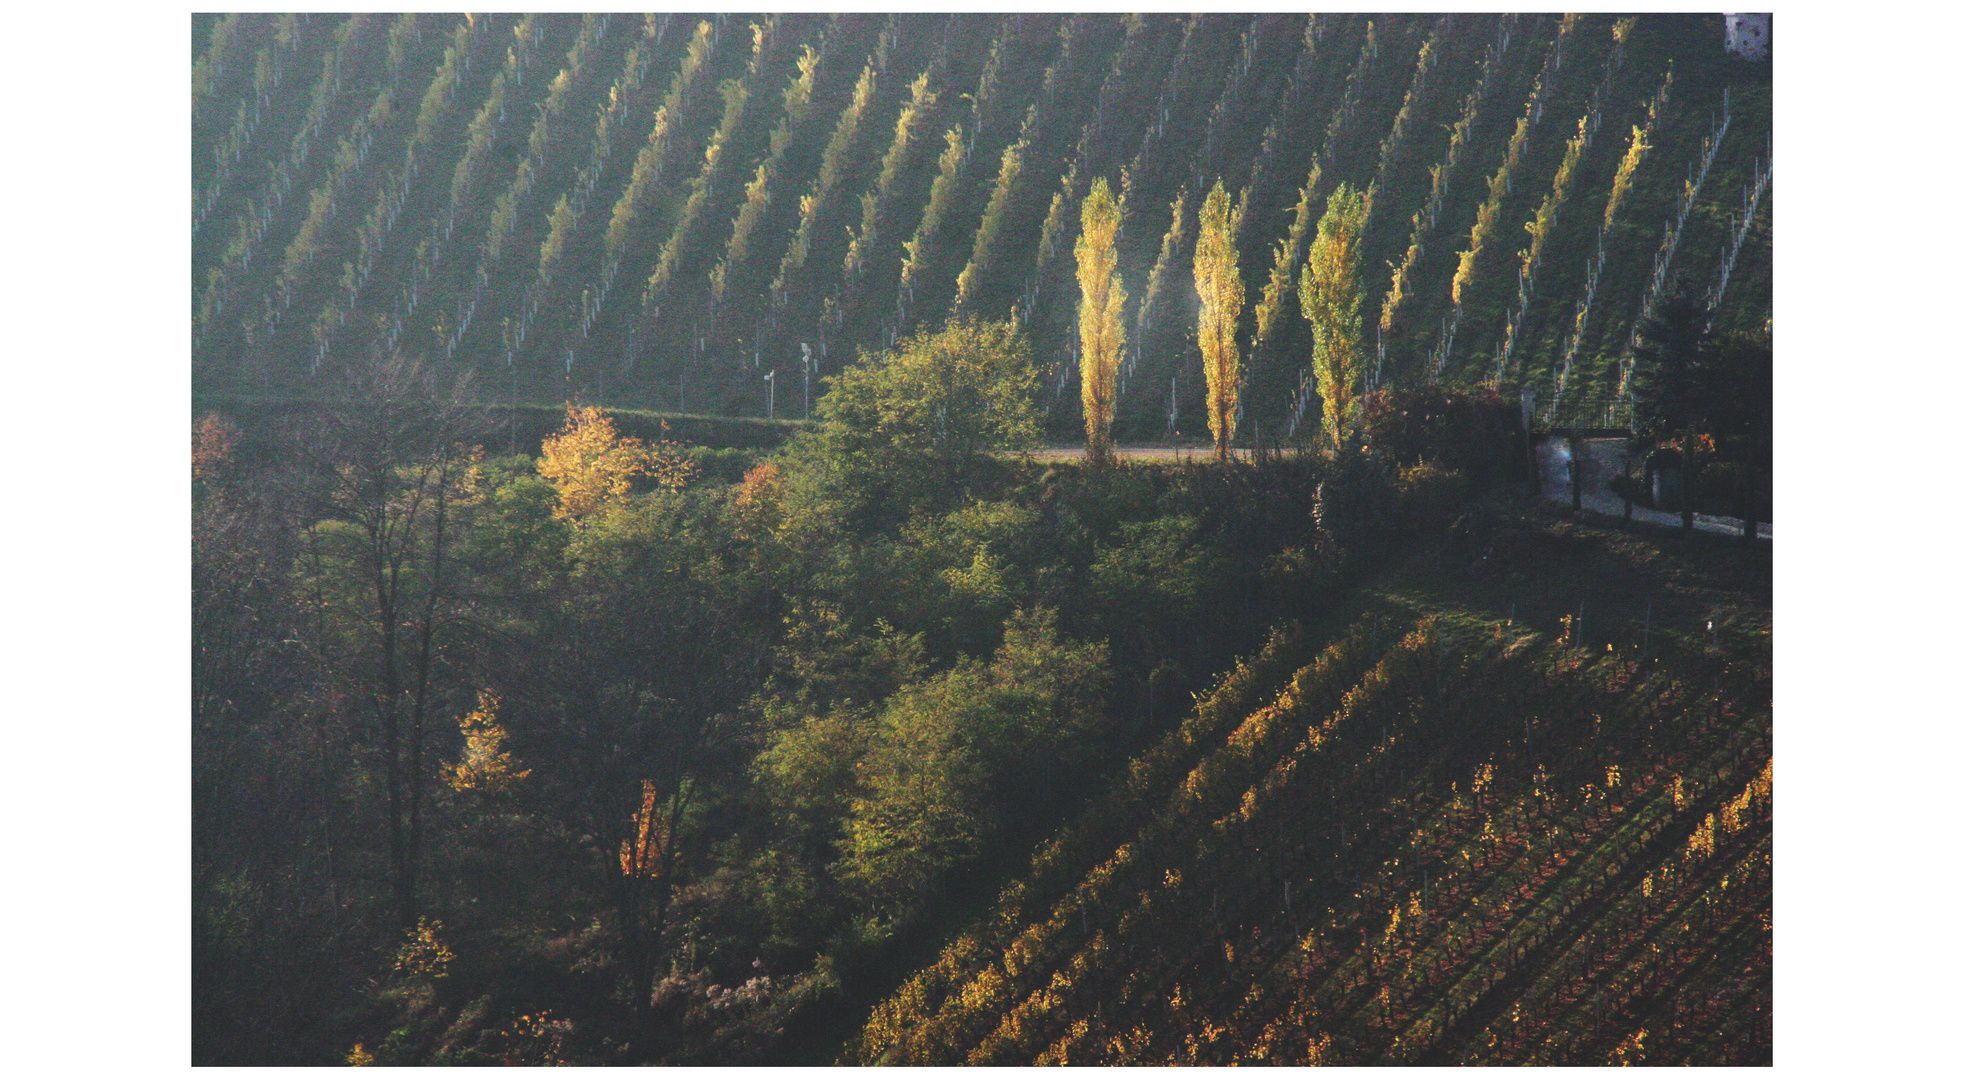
{"x": 912, "y": 427}
{"x": 1332, "y": 292}
{"x": 593, "y": 466}
{"x": 631, "y": 663}
{"x": 1708, "y": 401}
{"x": 382, "y": 572}
{"x": 955, "y": 754}
{"x": 1101, "y": 326}
{"x": 1218, "y": 280}
{"x": 1672, "y": 403}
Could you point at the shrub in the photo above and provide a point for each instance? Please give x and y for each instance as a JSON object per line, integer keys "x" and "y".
{"x": 1355, "y": 501}
{"x": 1471, "y": 431}
{"x": 1429, "y": 495}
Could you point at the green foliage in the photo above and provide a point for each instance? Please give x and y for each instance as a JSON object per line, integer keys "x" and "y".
{"x": 828, "y": 666}
{"x": 1170, "y": 247}
{"x": 832, "y": 167}
{"x": 1355, "y": 501}
{"x": 970, "y": 280}
{"x": 947, "y": 750}
{"x": 1101, "y": 316}
{"x": 1332, "y": 293}
{"x": 635, "y": 198}
{"x": 940, "y": 194}
{"x": 913, "y": 426}
{"x": 1151, "y": 572}
{"x": 1288, "y": 255}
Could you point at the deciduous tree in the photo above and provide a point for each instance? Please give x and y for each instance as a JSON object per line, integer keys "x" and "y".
{"x": 1332, "y": 293}
{"x": 1101, "y": 324}
{"x": 381, "y": 569}
{"x": 1218, "y": 280}
{"x": 593, "y": 465}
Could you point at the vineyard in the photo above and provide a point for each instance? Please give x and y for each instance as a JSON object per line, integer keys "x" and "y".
{"x": 1443, "y": 838}
{"x": 700, "y": 213}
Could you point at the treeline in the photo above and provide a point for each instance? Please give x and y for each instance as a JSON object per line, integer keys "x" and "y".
{"x": 665, "y": 212}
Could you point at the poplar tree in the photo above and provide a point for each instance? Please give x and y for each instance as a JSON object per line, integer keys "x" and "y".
{"x": 1218, "y": 280}
{"x": 1332, "y": 292}
{"x": 1101, "y": 326}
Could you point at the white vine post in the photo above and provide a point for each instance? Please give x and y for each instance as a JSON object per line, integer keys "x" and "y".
{"x": 805, "y": 363}
{"x": 1662, "y": 265}
{"x": 1755, "y": 190}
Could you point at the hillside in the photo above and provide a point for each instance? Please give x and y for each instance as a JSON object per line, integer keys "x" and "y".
{"x": 642, "y": 613}
{"x": 1522, "y": 819}
{"x": 658, "y": 213}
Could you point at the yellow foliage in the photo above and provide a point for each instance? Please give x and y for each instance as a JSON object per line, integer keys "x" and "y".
{"x": 485, "y": 765}
{"x": 213, "y": 440}
{"x": 425, "y": 955}
{"x": 592, "y": 465}
{"x": 1101, "y": 311}
{"x": 1701, "y": 842}
{"x": 642, "y": 856}
{"x": 1218, "y": 282}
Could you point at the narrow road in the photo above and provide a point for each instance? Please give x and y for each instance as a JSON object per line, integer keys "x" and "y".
{"x": 1600, "y": 460}
{"x": 1198, "y": 454}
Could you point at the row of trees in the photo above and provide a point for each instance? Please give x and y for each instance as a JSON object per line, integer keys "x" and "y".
{"x": 1330, "y": 289}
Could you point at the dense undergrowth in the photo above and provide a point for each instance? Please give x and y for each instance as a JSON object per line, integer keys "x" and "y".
{"x": 611, "y": 731}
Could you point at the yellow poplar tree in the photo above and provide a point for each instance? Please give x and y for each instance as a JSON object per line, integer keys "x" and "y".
{"x": 1218, "y": 280}
{"x": 1332, "y": 292}
{"x": 1101, "y": 306}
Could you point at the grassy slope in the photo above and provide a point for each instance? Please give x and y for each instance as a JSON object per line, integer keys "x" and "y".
{"x": 1549, "y": 916}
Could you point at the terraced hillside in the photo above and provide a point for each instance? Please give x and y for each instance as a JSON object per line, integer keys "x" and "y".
{"x": 1443, "y": 838}
{"x": 666, "y": 211}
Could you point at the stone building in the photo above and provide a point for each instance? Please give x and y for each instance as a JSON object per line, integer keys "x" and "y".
{"x": 1750, "y": 37}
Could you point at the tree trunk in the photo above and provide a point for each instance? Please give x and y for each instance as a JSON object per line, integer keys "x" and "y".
{"x": 1575, "y": 475}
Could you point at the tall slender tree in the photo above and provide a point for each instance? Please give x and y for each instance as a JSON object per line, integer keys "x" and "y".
{"x": 1101, "y": 310}
{"x": 1218, "y": 280}
{"x": 1332, "y": 293}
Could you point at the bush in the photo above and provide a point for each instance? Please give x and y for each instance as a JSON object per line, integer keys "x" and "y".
{"x": 1355, "y": 501}
{"x": 1470, "y": 431}
{"x": 1429, "y": 495}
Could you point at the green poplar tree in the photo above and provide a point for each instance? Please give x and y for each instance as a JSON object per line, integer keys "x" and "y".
{"x": 1332, "y": 292}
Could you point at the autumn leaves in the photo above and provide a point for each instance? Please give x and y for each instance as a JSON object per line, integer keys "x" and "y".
{"x": 1331, "y": 291}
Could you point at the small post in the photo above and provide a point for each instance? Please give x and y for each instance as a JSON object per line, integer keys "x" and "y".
{"x": 806, "y": 364}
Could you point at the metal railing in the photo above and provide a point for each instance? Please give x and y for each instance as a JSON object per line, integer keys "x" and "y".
{"x": 1599, "y": 413}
